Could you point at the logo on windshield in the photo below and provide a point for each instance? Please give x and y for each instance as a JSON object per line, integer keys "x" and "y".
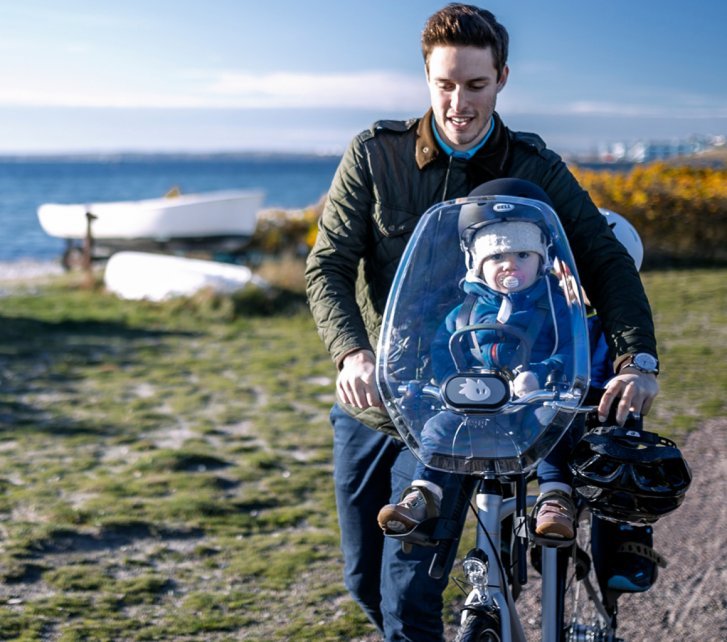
{"x": 475, "y": 390}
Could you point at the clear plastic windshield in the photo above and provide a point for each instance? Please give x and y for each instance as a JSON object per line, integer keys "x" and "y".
{"x": 482, "y": 365}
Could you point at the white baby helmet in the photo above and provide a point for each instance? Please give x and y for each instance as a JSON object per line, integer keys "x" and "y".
{"x": 626, "y": 234}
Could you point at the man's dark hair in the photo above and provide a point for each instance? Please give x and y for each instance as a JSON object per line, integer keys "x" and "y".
{"x": 467, "y": 25}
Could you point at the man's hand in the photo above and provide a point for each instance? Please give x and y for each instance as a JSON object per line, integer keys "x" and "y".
{"x": 637, "y": 391}
{"x": 356, "y": 383}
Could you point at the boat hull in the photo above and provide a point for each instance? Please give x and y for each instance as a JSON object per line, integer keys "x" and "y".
{"x": 215, "y": 214}
{"x": 158, "y": 277}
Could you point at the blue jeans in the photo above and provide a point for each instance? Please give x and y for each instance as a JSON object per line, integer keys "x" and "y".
{"x": 554, "y": 467}
{"x": 394, "y": 589}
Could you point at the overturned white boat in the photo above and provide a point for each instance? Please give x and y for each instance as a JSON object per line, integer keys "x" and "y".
{"x": 158, "y": 277}
{"x": 222, "y": 221}
{"x": 210, "y": 214}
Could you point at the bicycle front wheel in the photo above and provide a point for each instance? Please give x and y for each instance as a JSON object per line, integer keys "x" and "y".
{"x": 480, "y": 627}
{"x": 586, "y": 615}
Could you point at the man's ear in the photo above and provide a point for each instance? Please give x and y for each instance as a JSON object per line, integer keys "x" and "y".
{"x": 503, "y": 78}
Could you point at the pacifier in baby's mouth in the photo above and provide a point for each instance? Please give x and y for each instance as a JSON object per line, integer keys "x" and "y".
{"x": 508, "y": 281}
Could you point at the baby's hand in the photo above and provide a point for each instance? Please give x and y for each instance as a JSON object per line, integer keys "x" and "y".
{"x": 524, "y": 383}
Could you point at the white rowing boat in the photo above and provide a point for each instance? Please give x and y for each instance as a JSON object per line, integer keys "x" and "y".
{"x": 158, "y": 277}
{"x": 231, "y": 213}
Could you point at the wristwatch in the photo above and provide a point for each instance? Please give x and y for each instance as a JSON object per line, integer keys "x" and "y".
{"x": 643, "y": 362}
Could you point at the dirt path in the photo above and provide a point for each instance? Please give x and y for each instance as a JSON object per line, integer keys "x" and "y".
{"x": 688, "y": 603}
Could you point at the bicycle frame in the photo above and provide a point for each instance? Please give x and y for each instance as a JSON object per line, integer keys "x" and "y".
{"x": 492, "y": 509}
{"x": 491, "y": 590}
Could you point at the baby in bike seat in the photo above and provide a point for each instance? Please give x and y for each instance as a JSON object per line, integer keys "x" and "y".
{"x": 512, "y": 298}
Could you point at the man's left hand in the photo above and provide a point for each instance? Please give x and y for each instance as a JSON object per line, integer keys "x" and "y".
{"x": 637, "y": 391}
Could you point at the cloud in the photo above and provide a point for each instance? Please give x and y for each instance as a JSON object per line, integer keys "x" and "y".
{"x": 694, "y": 110}
{"x": 374, "y": 91}
{"x": 118, "y": 99}
{"x": 360, "y": 90}
{"x": 691, "y": 107}
{"x": 237, "y": 90}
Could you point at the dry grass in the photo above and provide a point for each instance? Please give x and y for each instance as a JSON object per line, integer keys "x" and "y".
{"x": 285, "y": 272}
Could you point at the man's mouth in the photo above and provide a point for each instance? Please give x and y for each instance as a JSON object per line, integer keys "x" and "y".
{"x": 460, "y": 121}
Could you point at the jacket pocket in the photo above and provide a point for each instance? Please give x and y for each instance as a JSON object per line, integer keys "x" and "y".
{"x": 392, "y": 222}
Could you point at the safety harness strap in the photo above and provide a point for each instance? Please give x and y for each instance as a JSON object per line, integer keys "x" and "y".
{"x": 465, "y": 318}
{"x": 636, "y": 548}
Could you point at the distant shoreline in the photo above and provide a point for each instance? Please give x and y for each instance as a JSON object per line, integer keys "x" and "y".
{"x": 121, "y": 156}
{"x": 131, "y": 156}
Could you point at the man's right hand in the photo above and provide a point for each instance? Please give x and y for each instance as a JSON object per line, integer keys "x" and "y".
{"x": 356, "y": 383}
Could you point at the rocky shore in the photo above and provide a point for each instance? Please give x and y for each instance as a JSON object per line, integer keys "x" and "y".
{"x": 28, "y": 269}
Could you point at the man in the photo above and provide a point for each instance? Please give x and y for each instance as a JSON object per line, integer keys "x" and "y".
{"x": 388, "y": 177}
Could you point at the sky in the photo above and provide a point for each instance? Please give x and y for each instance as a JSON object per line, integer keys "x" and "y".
{"x": 83, "y": 76}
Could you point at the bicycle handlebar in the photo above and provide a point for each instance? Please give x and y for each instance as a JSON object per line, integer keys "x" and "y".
{"x": 565, "y": 401}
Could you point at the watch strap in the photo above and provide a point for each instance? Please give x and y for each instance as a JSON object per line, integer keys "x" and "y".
{"x": 630, "y": 360}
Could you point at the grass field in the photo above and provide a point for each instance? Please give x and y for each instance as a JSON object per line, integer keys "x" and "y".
{"x": 165, "y": 469}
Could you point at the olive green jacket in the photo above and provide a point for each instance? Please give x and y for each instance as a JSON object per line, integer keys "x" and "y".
{"x": 391, "y": 174}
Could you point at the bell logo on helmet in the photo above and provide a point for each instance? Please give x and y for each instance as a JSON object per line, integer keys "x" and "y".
{"x": 633, "y": 433}
{"x": 503, "y": 207}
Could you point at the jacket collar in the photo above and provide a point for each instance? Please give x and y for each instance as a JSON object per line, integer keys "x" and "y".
{"x": 489, "y": 162}
{"x": 427, "y": 149}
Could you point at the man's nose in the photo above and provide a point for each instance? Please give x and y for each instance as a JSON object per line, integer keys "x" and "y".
{"x": 457, "y": 98}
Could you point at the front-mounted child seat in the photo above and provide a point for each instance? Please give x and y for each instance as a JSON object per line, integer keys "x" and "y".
{"x": 492, "y": 428}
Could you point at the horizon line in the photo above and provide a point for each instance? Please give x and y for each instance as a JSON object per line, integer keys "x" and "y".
{"x": 163, "y": 152}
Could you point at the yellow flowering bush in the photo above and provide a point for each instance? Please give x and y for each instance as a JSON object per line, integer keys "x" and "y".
{"x": 287, "y": 231}
{"x": 679, "y": 211}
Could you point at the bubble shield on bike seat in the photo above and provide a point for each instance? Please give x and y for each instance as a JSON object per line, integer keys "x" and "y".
{"x": 478, "y": 377}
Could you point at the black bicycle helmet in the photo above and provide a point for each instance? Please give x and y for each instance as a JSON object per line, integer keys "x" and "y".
{"x": 474, "y": 216}
{"x": 629, "y": 475}
{"x": 512, "y": 187}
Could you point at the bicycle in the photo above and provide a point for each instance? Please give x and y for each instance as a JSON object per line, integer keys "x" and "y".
{"x": 500, "y": 436}
{"x": 577, "y": 605}
{"x": 573, "y": 606}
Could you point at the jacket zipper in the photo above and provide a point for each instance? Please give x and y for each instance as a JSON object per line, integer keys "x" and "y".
{"x": 446, "y": 179}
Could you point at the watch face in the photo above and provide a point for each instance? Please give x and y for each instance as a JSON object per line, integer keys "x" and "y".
{"x": 645, "y": 361}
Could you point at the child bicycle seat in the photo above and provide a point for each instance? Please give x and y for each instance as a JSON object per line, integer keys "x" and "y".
{"x": 624, "y": 558}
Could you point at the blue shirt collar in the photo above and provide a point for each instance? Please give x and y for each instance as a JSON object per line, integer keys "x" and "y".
{"x": 467, "y": 154}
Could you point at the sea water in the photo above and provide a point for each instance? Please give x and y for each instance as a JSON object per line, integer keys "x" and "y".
{"x": 289, "y": 182}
